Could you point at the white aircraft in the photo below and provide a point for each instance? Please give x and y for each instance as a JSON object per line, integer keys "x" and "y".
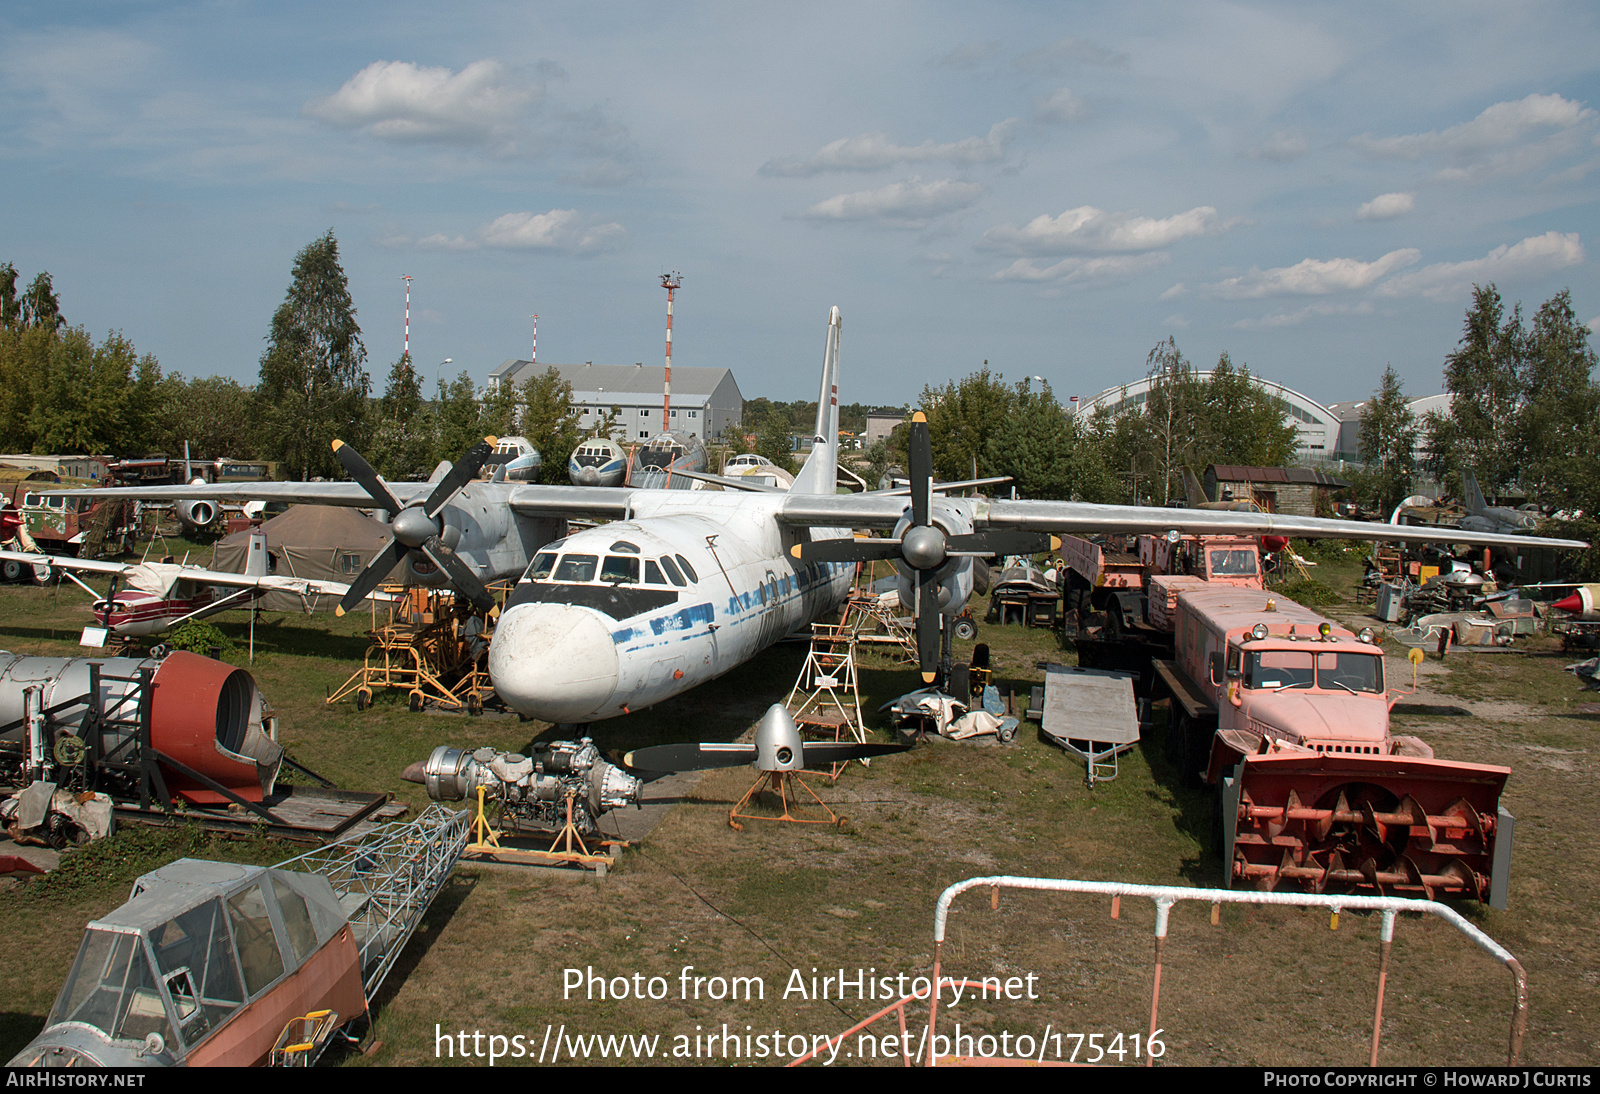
{"x": 157, "y": 596}
{"x": 683, "y": 586}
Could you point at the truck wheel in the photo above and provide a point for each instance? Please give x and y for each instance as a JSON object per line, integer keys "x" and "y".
{"x": 1217, "y": 831}
{"x": 1196, "y": 751}
{"x": 1114, "y": 623}
{"x": 1177, "y": 726}
{"x": 11, "y": 569}
{"x": 965, "y": 630}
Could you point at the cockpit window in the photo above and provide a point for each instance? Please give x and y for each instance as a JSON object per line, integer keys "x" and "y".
{"x": 542, "y": 564}
{"x": 623, "y": 547}
{"x": 577, "y": 568}
{"x": 652, "y": 573}
{"x": 673, "y": 572}
{"x": 688, "y": 569}
{"x": 620, "y": 568}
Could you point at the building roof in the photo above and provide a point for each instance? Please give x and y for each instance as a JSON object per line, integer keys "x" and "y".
{"x": 688, "y": 381}
{"x": 1236, "y": 472}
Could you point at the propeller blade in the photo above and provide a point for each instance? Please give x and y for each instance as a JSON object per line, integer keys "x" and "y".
{"x": 819, "y": 753}
{"x": 461, "y": 472}
{"x": 688, "y": 757}
{"x": 846, "y": 550}
{"x": 1003, "y": 541}
{"x": 361, "y": 471}
{"x": 928, "y": 616}
{"x": 368, "y": 580}
{"x": 465, "y": 581}
{"x": 921, "y": 469}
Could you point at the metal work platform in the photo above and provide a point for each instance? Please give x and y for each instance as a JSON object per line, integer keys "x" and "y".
{"x": 1092, "y": 713}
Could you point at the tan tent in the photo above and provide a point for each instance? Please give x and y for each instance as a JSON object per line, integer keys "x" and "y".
{"x": 317, "y": 542}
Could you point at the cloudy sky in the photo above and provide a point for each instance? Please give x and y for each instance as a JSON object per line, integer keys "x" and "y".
{"x": 1053, "y": 188}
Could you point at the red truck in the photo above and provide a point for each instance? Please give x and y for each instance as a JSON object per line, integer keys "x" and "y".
{"x": 1286, "y": 715}
{"x": 1108, "y": 577}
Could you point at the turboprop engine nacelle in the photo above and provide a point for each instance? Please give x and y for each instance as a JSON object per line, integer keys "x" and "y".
{"x": 198, "y": 516}
{"x": 532, "y": 789}
{"x": 924, "y": 548}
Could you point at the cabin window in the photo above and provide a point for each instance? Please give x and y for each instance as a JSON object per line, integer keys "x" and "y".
{"x": 688, "y": 569}
{"x": 296, "y": 919}
{"x": 252, "y": 933}
{"x": 350, "y": 564}
{"x": 1239, "y": 563}
{"x": 195, "y": 944}
{"x": 542, "y": 564}
{"x": 673, "y": 572}
{"x": 623, "y": 547}
{"x": 1357, "y": 672}
{"x": 577, "y": 568}
{"x": 620, "y": 568}
{"x": 113, "y": 989}
{"x": 652, "y": 573}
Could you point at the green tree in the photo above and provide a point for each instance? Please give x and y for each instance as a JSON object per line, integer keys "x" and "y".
{"x": 456, "y": 413}
{"x": 962, "y": 417}
{"x": 1238, "y": 422}
{"x": 1388, "y": 440}
{"x": 1558, "y": 424}
{"x": 551, "y": 422}
{"x": 1045, "y": 453}
{"x": 1484, "y": 376}
{"x": 39, "y": 305}
{"x": 775, "y": 441}
{"x": 313, "y": 388}
{"x": 10, "y": 308}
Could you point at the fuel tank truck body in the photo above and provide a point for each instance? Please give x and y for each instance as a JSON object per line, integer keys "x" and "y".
{"x": 1286, "y": 715}
{"x": 76, "y": 722}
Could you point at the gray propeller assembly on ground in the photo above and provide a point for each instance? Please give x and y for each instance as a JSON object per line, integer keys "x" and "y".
{"x": 778, "y": 747}
{"x": 417, "y": 527}
{"x": 925, "y": 548}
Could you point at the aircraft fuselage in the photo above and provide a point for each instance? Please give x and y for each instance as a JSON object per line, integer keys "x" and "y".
{"x": 616, "y": 618}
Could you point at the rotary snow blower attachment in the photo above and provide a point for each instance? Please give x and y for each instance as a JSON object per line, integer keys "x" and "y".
{"x": 1388, "y": 825}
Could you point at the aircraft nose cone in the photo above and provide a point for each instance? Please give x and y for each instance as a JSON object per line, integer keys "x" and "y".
{"x": 554, "y": 662}
{"x": 589, "y": 476}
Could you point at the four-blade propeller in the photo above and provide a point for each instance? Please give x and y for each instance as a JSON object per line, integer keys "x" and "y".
{"x": 418, "y": 527}
{"x": 926, "y": 549}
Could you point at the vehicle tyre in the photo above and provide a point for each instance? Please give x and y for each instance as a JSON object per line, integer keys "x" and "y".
{"x": 965, "y": 630}
{"x": 11, "y": 570}
{"x": 1196, "y": 751}
{"x": 474, "y": 704}
{"x": 363, "y": 699}
{"x": 1177, "y": 726}
{"x": 416, "y": 701}
{"x": 1224, "y": 853}
{"x": 1115, "y": 627}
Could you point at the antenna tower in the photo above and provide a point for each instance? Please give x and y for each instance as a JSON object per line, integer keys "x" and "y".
{"x": 406, "y": 350}
{"x": 670, "y": 282}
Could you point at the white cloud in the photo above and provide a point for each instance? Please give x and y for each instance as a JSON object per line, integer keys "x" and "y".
{"x": 970, "y": 54}
{"x": 875, "y": 151}
{"x": 1312, "y": 277}
{"x": 1533, "y": 257}
{"x": 1104, "y": 270}
{"x": 1087, "y": 229}
{"x": 564, "y": 230}
{"x": 1310, "y": 311}
{"x": 1180, "y": 289}
{"x": 1064, "y": 53}
{"x": 1061, "y": 106}
{"x": 908, "y": 203}
{"x": 400, "y": 101}
{"x": 1387, "y": 206}
{"x": 1500, "y": 125}
{"x": 1281, "y": 147}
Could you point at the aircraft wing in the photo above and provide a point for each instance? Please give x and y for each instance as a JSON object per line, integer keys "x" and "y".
{"x": 599, "y": 502}
{"x": 63, "y": 562}
{"x": 295, "y": 493}
{"x": 280, "y": 583}
{"x": 881, "y": 511}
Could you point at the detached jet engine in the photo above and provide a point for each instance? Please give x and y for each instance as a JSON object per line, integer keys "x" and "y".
{"x": 82, "y": 723}
{"x": 533, "y": 790}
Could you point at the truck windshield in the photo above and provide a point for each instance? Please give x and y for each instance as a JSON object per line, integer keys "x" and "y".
{"x": 1331, "y": 670}
{"x": 1233, "y": 563}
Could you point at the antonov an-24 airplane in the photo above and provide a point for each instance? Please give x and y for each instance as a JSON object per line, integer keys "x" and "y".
{"x": 682, "y": 586}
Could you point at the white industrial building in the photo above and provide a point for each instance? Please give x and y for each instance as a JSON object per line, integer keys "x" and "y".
{"x": 1317, "y": 426}
{"x": 705, "y": 401}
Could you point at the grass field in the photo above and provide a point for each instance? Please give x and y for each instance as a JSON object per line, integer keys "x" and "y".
{"x": 779, "y": 904}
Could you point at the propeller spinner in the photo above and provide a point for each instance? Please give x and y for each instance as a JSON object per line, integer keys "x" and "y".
{"x": 925, "y": 549}
{"x": 416, "y": 527}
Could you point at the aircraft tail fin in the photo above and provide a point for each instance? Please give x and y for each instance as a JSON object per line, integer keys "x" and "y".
{"x": 1474, "y": 496}
{"x": 821, "y": 471}
{"x": 255, "y": 559}
{"x": 1192, "y": 487}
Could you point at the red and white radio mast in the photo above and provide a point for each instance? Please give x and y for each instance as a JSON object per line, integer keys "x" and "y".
{"x": 670, "y": 282}
{"x": 406, "y": 351}
{"x": 534, "y": 360}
